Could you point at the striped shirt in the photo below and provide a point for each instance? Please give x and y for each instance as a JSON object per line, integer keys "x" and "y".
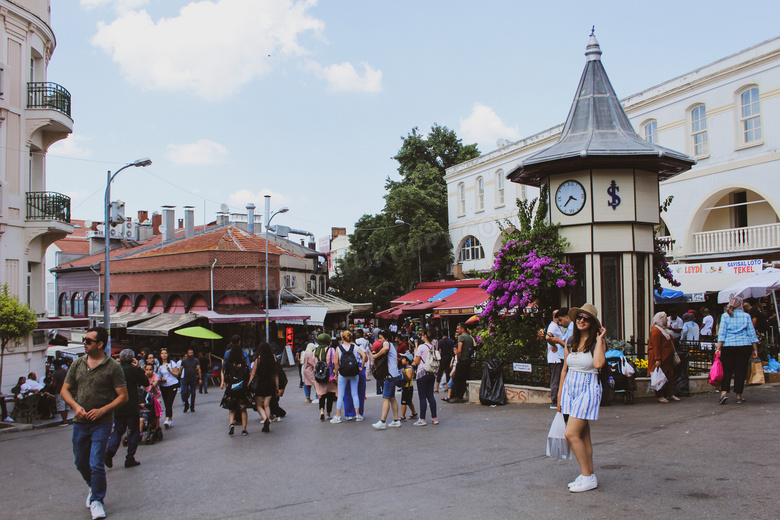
{"x": 736, "y": 330}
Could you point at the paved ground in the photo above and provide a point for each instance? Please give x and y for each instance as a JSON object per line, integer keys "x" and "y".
{"x": 692, "y": 459}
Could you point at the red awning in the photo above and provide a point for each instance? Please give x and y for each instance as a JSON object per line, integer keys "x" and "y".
{"x": 462, "y": 302}
{"x": 421, "y": 307}
{"x": 390, "y": 314}
{"x": 417, "y": 296}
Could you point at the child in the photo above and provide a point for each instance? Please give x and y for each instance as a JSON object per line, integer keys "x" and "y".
{"x": 407, "y": 390}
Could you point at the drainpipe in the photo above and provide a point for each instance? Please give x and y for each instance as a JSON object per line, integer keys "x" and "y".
{"x": 212, "y": 283}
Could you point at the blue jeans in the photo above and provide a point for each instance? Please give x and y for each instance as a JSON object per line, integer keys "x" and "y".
{"x": 353, "y": 388}
{"x": 204, "y": 384}
{"x": 425, "y": 391}
{"x": 188, "y": 391}
{"x": 389, "y": 389}
{"x": 89, "y": 448}
{"x": 122, "y": 424}
{"x": 307, "y": 391}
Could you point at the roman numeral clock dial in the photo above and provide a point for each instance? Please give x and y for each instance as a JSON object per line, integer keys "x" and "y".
{"x": 570, "y": 197}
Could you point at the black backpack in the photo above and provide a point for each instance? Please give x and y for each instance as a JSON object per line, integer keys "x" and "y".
{"x": 321, "y": 372}
{"x": 348, "y": 364}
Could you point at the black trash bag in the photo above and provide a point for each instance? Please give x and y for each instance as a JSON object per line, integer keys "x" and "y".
{"x": 607, "y": 389}
{"x": 680, "y": 386}
{"x": 492, "y": 390}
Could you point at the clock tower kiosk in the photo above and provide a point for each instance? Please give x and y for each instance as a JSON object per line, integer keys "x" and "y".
{"x": 602, "y": 181}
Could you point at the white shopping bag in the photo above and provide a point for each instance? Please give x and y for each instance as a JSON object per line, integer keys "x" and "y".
{"x": 557, "y": 445}
{"x": 657, "y": 379}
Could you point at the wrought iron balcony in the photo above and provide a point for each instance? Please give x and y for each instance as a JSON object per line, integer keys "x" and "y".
{"x": 48, "y": 205}
{"x": 48, "y": 95}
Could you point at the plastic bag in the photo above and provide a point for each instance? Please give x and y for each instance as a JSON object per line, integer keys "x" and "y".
{"x": 773, "y": 367}
{"x": 657, "y": 379}
{"x": 716, "y": 371}
{"x": 492, "y": 390}
{"x": 557, "y": 445}
{"x": 628, "y": 369}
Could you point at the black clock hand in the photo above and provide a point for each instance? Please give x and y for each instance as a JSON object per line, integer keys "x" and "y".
{"x": 571, "y": 198}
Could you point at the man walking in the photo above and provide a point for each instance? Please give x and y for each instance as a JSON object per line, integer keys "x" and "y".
{"x": 126, "y": 417}
{"x": 99, "y": 383}
{"x": 463, "y": 351}
{"x": 190, "y": 374}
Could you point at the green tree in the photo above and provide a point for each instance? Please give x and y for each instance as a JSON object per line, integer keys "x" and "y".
{"x": 382, "y": 261}
{"x": 17, "y": 321}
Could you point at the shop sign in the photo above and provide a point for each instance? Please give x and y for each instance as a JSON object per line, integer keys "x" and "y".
{"x": 746, "y": 267}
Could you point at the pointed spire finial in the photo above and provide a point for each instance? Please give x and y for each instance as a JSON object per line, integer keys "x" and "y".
{"x": 593, "y": 51}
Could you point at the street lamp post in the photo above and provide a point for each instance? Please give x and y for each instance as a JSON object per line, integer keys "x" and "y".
{"x": 268, "y": 217}
{"x": 419, "y": 264}
{"x": 107, "y": 232}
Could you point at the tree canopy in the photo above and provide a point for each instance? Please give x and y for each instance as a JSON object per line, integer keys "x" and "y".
{"x": 382, "y": 261}
{"x": 16, "y": 321}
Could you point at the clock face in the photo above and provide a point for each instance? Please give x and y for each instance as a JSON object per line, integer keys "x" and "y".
{"x": 570, "y": 197}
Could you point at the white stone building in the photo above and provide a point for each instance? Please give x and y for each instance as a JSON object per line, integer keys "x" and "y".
{"x": 34, "y": 114}
{"x": 726, "y": 115}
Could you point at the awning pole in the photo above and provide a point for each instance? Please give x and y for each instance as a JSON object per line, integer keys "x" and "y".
{"x": 777, "y": 314}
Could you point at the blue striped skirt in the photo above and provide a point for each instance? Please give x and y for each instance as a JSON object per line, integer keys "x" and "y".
{"x": 581, "y": 395}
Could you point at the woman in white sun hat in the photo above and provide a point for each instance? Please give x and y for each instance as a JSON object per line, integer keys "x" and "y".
{"x": 579, "y": 395}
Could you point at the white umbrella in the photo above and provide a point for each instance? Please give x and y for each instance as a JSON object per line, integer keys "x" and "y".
{"x": 757, "y": 286}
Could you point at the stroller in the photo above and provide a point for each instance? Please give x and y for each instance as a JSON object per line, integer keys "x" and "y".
{"x": 150, "y": 412}
{"x": 623, "y": 375}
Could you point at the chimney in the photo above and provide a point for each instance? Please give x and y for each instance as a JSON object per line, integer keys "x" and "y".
{"x": 312, "y": 244}
{"x": 156, "y": 223}
{"x": 169, "y": 221}
{"x": 143, "y": 216}
{"x": 250, "y": 217}
{"x": 303, "y": 243}
{"x": 180, "y": 225}
{"x": 189, "y": 221}
{"x": 338, "y": 231}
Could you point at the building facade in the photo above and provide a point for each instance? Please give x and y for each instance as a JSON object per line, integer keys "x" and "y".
{"x": 34, "y": 114}
{"x": 725, "y": 115}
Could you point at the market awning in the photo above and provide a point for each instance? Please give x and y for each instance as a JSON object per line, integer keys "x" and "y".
{"x": 123, "y": 320}
{"x": 417, "y": 296}
{"x": 462, "y": 302}
{"x": 162, "y": 324}
{"x": 273, "y": 315}
{"x": 388, "y": 314}
{"x": 316, "y": 314}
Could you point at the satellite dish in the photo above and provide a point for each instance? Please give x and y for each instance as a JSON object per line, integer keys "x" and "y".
{"x": 162, "y": 230}
{"x": 224, "y": 208}
{"x": 87, "y": 223}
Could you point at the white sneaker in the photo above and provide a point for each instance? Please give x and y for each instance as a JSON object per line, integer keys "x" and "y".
{"x": 420, "y": 422}
{"x": 359, "y": 418}
{"x": 575, "y": 481}
{"x": 380, "y": 425}
{"x": 8, "y": 419}
{"x": 89, "y": 495}
{"x": 585, "y": 484}
{"x": 395, "y": 424}
{"x": 352, "y": 418}
{"x": 335, "y": 420}
{"x": 96, "y": 508}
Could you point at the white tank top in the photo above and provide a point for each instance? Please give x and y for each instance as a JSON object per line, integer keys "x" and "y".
{"x": 581, "y": 362}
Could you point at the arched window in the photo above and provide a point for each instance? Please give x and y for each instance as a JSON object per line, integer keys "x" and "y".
{"x": 77, "y": 305}
{"x": 471, "y": 250}
{"x": 461, "y": 199}
{"x": 699, "y": 141}
{"x": 500, "y": 188}
{"x": 651, "y": 131}
{"x": 480, "y": 194}
{"x": 63, "y": 306}
{"x": 749, "y": 116}
{"x": 312, "y": 284}
{"x": 93, "y": 304}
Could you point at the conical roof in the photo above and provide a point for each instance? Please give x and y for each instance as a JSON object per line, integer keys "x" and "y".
{"x": 598, "y": 134}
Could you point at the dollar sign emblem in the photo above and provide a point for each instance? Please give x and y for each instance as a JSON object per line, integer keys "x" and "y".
{"x": 612, "y": 192}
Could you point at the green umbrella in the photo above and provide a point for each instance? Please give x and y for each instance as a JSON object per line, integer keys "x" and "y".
{"x": 198, "y": 332}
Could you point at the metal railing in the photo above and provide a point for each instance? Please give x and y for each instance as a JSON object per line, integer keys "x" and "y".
{"x": 48, "y": 95}
{"x": 738, "y": 239}
{"x": 667, "y": 244}
{"x": 48, "y": 205}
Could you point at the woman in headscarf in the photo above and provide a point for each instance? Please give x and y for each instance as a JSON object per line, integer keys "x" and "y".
{"x": 326, "y": 391}
{"x": 308, "y": 362}
{"x": 736, "y": 340}
{"x": 660, "y": 354}
{"x": 235, "y": 382}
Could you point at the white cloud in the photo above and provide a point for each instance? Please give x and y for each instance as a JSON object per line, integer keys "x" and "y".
{"x": 202, "y": 151}
{"x": 485, "y": 127}
{"x": 119, "y": 5}
{"x": 239, "y": 199}
{"x": 342, "y": 77}
{"x": 70, "y": 147}
{"x": 212, "y": 48}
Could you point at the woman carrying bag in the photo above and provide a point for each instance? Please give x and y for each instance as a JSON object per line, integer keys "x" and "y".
{"x": 660, "y": 355}
{"x": 579, "y": 395}
{"x": 737, "y": 341}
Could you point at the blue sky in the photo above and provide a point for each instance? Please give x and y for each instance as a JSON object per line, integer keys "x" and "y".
{"x": 308, "y": 101}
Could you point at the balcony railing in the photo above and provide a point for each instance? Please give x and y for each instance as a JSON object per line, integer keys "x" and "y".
{"x": 667, "y": 244}
{"x": 751, "y": 238}
{"x": 48, "y": 205}
{"x": 48, "y": 95}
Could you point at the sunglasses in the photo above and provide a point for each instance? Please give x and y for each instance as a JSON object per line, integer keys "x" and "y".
{"x": 584, "y": 317}
{"x": 88, "y": 341}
